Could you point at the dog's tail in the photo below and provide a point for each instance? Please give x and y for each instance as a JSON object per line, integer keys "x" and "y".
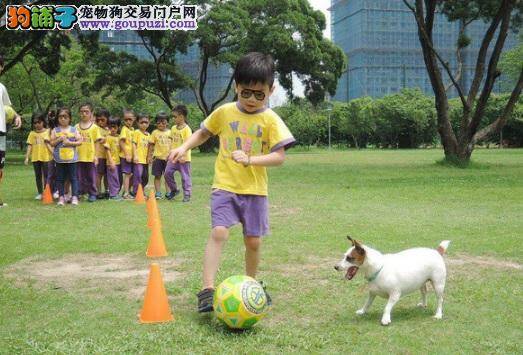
{"x": 442, "y": 248}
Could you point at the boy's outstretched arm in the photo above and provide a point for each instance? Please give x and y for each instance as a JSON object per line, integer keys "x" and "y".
{"x": 199, "y": 137}
{"x": 272, "y": 159}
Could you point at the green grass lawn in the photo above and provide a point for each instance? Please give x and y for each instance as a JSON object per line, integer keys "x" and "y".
{"x": 390, "y": 200}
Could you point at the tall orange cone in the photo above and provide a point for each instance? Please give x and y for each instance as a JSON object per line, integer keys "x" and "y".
{"x": 139, "y": 198}
{"x": 47, "y": 197}
{"x": 156, "y": 304}
{"x": 153, "y": 215}
{"x": 156, "y": 247}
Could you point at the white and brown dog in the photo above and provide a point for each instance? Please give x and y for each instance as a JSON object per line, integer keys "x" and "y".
{"x": 394, "y": 275}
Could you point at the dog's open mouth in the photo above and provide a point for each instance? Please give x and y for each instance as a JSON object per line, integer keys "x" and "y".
{"x": 351, "y": 272}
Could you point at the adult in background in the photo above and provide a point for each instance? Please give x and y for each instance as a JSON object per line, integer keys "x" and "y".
{"x": 17, "y": 123}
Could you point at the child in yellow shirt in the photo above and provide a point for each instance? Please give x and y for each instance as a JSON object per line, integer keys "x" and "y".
{"x": 87, "y": 160}
{"x": 126, "y": 151}
{"x": 37, "y": 150}
{"x": 252, "y": 137}
{"x": 180, "y": 134}
{"x": 101, "y": 118}
{"x": 160, "y": 144}
{"x": 140, "y": 153}
{"x": 112, "y": 149}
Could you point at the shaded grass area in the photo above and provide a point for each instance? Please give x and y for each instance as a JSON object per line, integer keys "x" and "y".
{"x": 390, "y": 200}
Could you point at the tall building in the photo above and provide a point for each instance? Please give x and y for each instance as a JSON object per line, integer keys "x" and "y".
{"x": 217, "y": 77}
{"x": 380, "y": 40}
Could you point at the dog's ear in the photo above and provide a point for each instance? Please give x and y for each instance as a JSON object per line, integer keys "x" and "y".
{"x": 358, "y": 247}
{"x": 350, "y": 239}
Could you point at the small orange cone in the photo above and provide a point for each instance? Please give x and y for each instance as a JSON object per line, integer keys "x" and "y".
{"x": 156, "y": 304}
{"x": 47, "y": 197}
{"x": 140, "y": 198}
{"x": 153, "y": 215}
{"x": 156, "y": 247}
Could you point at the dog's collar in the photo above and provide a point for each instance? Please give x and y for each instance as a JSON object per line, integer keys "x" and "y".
{"x": 373, "y": 276}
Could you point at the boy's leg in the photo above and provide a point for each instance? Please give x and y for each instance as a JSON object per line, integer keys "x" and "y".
{"x": 92, "y": 190}
{"x": 137, "y": 176}
{"x": 37, "y": 166}
{"x": 185, "y": 172}
{"x": 73, "y": 178}
{"x": 169, "y": 176}
{"x": 158, "y": 183}
{"x": 145, "y": 175}
{"x": 113, "y": 181}
{"x": 252, "y": 255}
{"x": 213, "y": 251}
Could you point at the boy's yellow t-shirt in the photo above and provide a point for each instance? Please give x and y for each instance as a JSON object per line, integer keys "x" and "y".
{"x": 100, "y": 151}
{"x": 112, "y": 144}
{"x": 162, "y": 143}
{"x": 141, "y": 140}
{"x": 86, "y": 150}
{"x": 39, "y": 151}
{"x": 179, "y": 136}
{"x": 126, "y": 135}
{"x": 256, "y": 134}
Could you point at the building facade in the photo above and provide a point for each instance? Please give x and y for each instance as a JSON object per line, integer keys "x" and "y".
{"x": 380, "y": 40}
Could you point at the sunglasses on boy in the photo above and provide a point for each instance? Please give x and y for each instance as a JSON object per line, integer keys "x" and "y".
{"x": 246, "y": 93}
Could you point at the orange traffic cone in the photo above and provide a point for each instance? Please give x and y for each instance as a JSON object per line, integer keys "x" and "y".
{"x": 140, "y": 198}
{"x": 156, "y": 247}
{"x": 153, "y": 215}
{"x": 47, "y": 197}
{"x": 155, "y": 305}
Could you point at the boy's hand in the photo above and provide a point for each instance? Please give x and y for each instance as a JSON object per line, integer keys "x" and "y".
{"x": 17, "y": 123}
{"x": 182, "y": 160}
{"x": 240, "y": 157}
{"x": 128, "y": 159}
{"x": 26, "y": 161}
{"x": 112, "y": 167}
{"x": 136, "y": 161}
{"x": 176, "y": 154}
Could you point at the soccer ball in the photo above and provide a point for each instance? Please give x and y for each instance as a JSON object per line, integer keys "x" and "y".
{"x": 240, "y": 302}
{"x": 10, "y": 114}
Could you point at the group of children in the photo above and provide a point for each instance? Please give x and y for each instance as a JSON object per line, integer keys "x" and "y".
{"x": 100, "y": 156}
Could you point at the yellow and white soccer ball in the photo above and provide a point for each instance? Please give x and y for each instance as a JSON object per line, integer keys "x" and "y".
{"x": 240, "y": 302}
{"x": 10, "y": 114}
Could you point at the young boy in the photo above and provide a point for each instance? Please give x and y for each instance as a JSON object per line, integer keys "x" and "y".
{"x": 180, "y": 133}
{"x": 102, "y": 118}
{"x": 126, "y": 151}
{"x": 140, "y": 153}
{"x": 112, "y": 148}
{"x": 252, "y": 137}
{"x": 87, "y": 159}
{"x": 160, "y": 144}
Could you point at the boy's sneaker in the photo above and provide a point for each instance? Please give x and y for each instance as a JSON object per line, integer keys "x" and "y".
{"x": 172, "y": 194}
{"x": 74, "y": 201}
{"x": 127, "y": 197}
{"x": 61, "y": 201}
{"x": 56, "y": 195}
{"x": 91, "y": 198}
{"x": 205, "y": 299}
{"x": 100, "y": 196}
{"x": 133, "y": 195}
{"x": 38, "y": 197}
{"x": 264, "y": 286}
{"x": 115, "y": 198}
{"x": 106, "y": 195}
{"x": 158, "y": 195}
{"x": 186, "y": 198}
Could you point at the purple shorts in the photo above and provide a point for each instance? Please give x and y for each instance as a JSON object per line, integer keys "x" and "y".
{"x": 126, "y": 168}
{"x": 101, "y": 168}
{"x": 158, "y": 167}
{"x": 252, "y": 211}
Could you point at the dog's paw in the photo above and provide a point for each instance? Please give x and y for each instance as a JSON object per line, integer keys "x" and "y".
{"x": 438, "y": 316}
{"x": 422, "y": 305}
{"x": 385, "y": 321}
{"x": 360, "y": 312}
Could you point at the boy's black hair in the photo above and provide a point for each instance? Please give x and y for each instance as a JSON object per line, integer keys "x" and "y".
{"x": 102, "y": 112}
{"x": 161, "y": 116}
{"x": 51, "y": 119}
{"x": 129, "y": 110}
{"x": 39, "y": 116}
{"x": 142, "y": 115}
{"x": 255, "y": 67}
{"x": 88, "y": 104}
{"x": 182, "y": 110}
{"x": 114, "y": 121}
